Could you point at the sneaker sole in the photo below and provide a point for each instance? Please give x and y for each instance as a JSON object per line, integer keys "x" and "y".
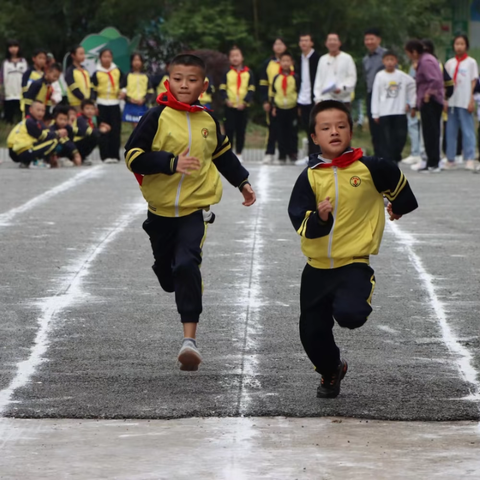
{"x": 189, "y": 360}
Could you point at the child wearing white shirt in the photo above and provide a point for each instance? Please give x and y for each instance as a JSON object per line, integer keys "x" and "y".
{"x": 464, "y": 71}
{"x": 393, "y": 95}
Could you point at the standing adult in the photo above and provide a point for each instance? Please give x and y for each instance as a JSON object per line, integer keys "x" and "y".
{"x": 11, "y": 73}
{"x": 464, "y": 71}
{"x": 336, "y": 74}
{"x": 307, "y": 72}
{"x": 271, "y": 68}
{"x": 372, "y": 64}
{"x": 430, "y": 95}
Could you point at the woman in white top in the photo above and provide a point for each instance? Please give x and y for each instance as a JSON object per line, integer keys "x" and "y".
{"x": 464, "y": 72}
{"x": 13, "y": 68}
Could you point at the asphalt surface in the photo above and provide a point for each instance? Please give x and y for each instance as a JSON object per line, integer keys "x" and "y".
{"x": 76, "y": 268}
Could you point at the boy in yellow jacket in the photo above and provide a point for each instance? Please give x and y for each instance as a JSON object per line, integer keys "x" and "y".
{"x": 176, "y": 153}
{"x": 337, "y": 207}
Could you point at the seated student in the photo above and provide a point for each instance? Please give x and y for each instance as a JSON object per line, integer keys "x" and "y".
{"x": 39, "y": 59}
{"x": 42, "y": 89}
{"x": 237, "y": 89}
{"x": 31, "y": 139}
{"x": 337, "y": 207}
{"x": 66, "y": 147}
{"x": 285, "y": 87}
{"x": 206, "y": 98}
{"x": 136, "y": 90}
{"x": 86, "y": 132}
{"x": 77, "y": 78}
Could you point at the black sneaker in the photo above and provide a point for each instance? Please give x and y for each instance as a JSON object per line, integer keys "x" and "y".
{"x": 330, "y": 386}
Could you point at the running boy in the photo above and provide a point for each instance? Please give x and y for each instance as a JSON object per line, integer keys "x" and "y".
{"x": 337, "y": 207}
{"x": 284, "y": 98}
{"x": 237, "y": 89}
{"x": 176, "y": 152}
{"x": 393, "y": 96}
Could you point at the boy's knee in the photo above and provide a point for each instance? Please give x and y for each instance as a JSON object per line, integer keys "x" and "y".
{"x": 185, "y": 266}
{"x": 349, "y": 319}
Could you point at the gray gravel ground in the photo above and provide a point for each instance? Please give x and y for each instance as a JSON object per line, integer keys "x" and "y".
{"x": 77, "y": 265}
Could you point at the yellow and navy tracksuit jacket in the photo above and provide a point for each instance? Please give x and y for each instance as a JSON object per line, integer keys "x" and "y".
{"x": 271, "y": 68}
{"x": 78, "y": 83}
{"x": 67, "y": 143}
{"x": 137, "y": 86}
{"x": 285, "y": 91}
{"x": 238, "y": 86}
{"x": 84, "y": 127}
{"x": 106, "y": 85}
{"x": 206, "y": 97}
{"x": 28, "y": 77}
{"x": 38, "y": 90}
{"x": 354, "y": 231}
{"x": 152, "y": 154}
{"x": 158, "y": 83}
{"x": 31, "y": 134}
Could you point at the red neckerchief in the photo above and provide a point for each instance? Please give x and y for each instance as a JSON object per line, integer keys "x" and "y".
{"x": 89, "y": 120}
{"x": 285, "y": 81}
{"x": 112, "y": 81}
{"x": 169, "y": 100}
{"x": 239, "y": 76}
{"x": 343, "y": 160}
{"x": 459, "y": 59}
{"x": 49, "y": 94}
{"x": 84, "y": 76}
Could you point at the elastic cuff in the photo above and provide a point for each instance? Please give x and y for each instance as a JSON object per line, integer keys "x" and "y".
{"x": 173, "y": 164}
{"x": 245, "y": 182}
{"x": 192, "y": 318}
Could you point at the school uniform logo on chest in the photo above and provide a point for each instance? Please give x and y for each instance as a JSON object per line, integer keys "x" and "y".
{"x": 355, "y": 181}
{"x": 205, "y": 132}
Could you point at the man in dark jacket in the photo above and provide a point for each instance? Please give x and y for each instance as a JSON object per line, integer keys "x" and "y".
{"x": 307, "y": 70}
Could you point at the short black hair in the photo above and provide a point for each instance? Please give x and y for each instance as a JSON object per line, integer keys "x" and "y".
{"x": 286, "y": 54}
{"x": 74, "y": 49}
{"x": 461, "y": 35}
{"x": 189, "y": 60}
{"x": 103, "y": 50}
{"x": 39, "y": 51}
{"x": 60, "y": 110}
{"x": 71, "y": 108}
{"x": 334, "y": 33}
{"x": 329, "y": 105}
{"x": 34, "y": 102}
{"x": 372, "y": 31}
{"x": 55, "y": 66}
{"x": 13, "y": 43}
{"x": 235, "y": 47}
{"x": 306, "y": 34}
{"x": 390, "y": 53}
{"x": 415, "y": 46}
{"x": 429, "y": 46}
{"x": 87, "y": 101}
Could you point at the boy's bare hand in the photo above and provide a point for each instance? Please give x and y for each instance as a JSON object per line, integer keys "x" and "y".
{"x": 186, "y": 164}
{"x": 62, "y": 132}
{"x": 229, "y": 104}
{"x": 393, "y": 216}
{"x": 248, "y": 195}
{"x": 324, "y": 209}
{"x": 77, "y": 159}
{"x": 274, "y": 112}
{"x": 241, "y": 106}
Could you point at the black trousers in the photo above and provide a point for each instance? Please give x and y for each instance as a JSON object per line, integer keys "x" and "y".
{"x": 272, "y": 134}
{"x": 342, "y": 294}
{"x": 177, "y": 249}
{"x": 431, "y": 114}
{"x": 375, "y": 130}
{"x": 86, "y": 145}
{"x": 39, "y": 151}
{"x": 235, "y": 127}
{"x": 394, "y": 131}
{"x": 109, "y": 143}
{"x": 287, "y": 133}
{"x": 11, "y": 111}
{"x": 305, "y": 111}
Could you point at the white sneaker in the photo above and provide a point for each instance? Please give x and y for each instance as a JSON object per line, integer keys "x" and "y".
{"x": 434, "y": 169}
{"x": 470, "y": 165}
{"x": 419, "y": 166}
{"x": 87, "y": 162}
{"x": 411, "y": 160}
{"x": 302, "y": 162}
{"x": 267, "y": 159}
{"x": 189, "y": 356}
{"x": 111, "y": 160}
{"x": 458, "y": 159}
{"x": 65, "y": 162}
{"x": 450, "y": 166}
{"x": 239, "y": 156}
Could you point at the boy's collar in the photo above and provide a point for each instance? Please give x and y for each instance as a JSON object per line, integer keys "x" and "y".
{"x": 349, "y": 156}
{"x": 167, "y": 98}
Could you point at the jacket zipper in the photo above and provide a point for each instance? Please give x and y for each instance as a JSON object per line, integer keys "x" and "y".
{"x": 179, "y": 188}
{"x": 330, "y": 237}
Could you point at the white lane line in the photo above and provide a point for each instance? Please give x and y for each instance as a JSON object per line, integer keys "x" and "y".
{"x": 7, "y": 217}
{"x": 252, "y": 292}
{"x": 70, "y": 292}
{"x": 462, "y": 356}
